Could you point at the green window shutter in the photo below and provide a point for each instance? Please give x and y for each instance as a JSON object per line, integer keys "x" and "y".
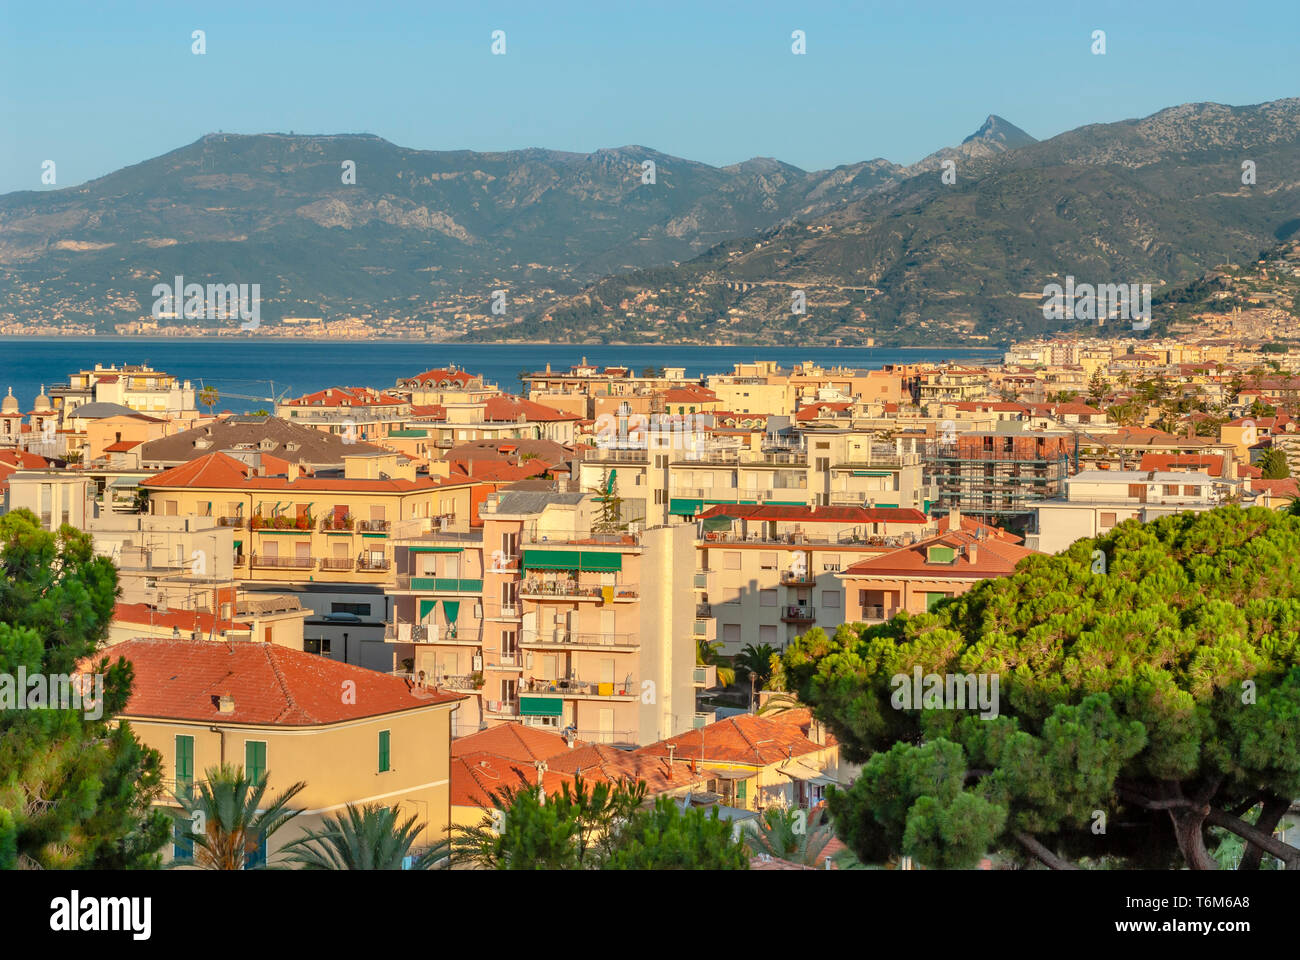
{"x": 182, "y": 844}
{"x": 184, "y": 761}
{"x": 254, "y": 759}
{"x": 932, "y": 600}
{"x": 384, "y": 743}
{"x": 742, "y": 790}
{"x": 940, "y": 555}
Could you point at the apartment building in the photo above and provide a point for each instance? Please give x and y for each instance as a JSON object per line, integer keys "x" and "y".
{"x": 913, "y": 578}
{"x": 352, "y": 735}
{"x": 1096, "y": 501}
{"x": 55, "y": 496}
{"x": 444, "y": 385}
{"x": 540, "y": 619}
{"x": 353, "y": 413}
{"x": 138, "y": 387}
{"x": 1001, "y": 473}
{"x": 767, "y": 573}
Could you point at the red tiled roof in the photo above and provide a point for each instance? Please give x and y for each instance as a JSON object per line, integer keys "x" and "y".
{"x": 746, "y": 739}
{"x": 187, "y": 620}
{"x": 513, "y": 741}
{"x": 1166, "y": 461}
{"x": 507, "y": 408}
{"x": 271, "y": 685}
{"x": 766, "y": 511}
{"x": 475, "y": 775}
{"x": 23, "y": 460}
{"x": 122, "y": 446}
{"x": 222, "y": 471}
{"x": 345, "y": 397}
{"x": 994, "y": 558}
{"x": 439, "y": 376}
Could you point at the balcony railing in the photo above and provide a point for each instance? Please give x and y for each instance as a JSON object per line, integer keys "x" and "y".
{"x": 374, "y": 563}
{"x": 337, "y": 563}
{"x": 230, "y": 521}
{"x": 562, "y": 588}
{"x": 284, "y": 563}
{"x": 790, "y": 578}
{"x": 798, "y": 614}
{"x": 564, "y": 638}
{"x": 623, "y": 738}
{"x": 374, "y": 526}
{"x": 627, "y": 687}
{"x": 337, "y": 525}
{"x": 434, "y": 584}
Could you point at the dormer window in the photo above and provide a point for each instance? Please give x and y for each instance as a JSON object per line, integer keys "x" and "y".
{"x": 940, "y": 554}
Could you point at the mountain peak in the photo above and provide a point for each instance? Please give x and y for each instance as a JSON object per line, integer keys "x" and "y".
{"x": 996, "y": 130}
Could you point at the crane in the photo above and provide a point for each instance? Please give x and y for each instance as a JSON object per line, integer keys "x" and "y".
{"x": 274, "y": 399}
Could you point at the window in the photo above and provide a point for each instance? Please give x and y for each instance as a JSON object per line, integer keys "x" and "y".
{"x": 731, "y": 633}
{"x": 184, "y": 762}
{"x": 182, "y": 844}
{"x": 360, "y": 609}
{"x": 1107, "y": 520}
{"x": 767, "y": 634}
{"x": 767, "y": 598}
{"x": 1171, "y": 489}
{"x": 932, "y": 600}
{"x": 384, "y": 743}
{"x": 767, "y": 561}
{"x": 831, "y": 598}
{"x": 1136, "y": 490}
{"x": 831, "y": 562}
{"x": 254, "y": 759}
{"x": 731, "y": 560}
{"x": 256, "y": 858}
{"x": 1190, "y": 491}
{"x": 660, "y": 495}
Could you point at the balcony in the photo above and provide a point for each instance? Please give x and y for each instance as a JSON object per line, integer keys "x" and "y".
{"x": 433, "y": 633}
{"x": 240, "y": 559}
{"x": 877, "y": 614}
{"x": 626, "y": 689}
{"x": 617, "y": 738}
{"x": 791, "y": 578}
{"x": 703, "y": 720}
{"x": 568, "y": 590}
{"x": 798, "y": 614}
{"x": 501, "y": 708}
{"x": 503, "y": 611}
{"x": 337, "y": 525}
{"x": 431, "y": 584}
{"x": 705, "y": 676}
{"x": 628, "y": 641}
{"x": 284, "y": 563}
{"x": 373, "y": 526}
{"x": 230, "y": 522}
{"x": 337, "y": 563}
{"x": 374, "y": 564}
{"x": 704, "y": 610}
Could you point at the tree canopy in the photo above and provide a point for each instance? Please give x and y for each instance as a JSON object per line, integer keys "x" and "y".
{"x": 76, "y": 791}
{"x": 1149, "y": 688}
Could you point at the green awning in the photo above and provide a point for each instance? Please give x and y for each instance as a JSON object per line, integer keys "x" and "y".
{"x": 720, "y": 522}
{"x": 238, "y": 544}
{"x": 541, "y": 706}
{"x": 452, "y": 609}
{"x": 600, "y": 562}
{"x": 551, "y": 559}
{"x": 437, "y": 549}
{"x": 684, "y": 507}
{"x": 426, "y": 606}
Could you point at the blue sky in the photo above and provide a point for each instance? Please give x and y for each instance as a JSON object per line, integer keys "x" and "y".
{"x": 97, "y": 86}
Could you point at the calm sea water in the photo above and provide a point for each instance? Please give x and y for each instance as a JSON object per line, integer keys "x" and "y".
{"x": 252, "y": 368}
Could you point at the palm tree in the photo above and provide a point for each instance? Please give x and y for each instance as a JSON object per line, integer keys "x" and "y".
{"x": 208, "y": 396}
{"x": 707, "y": 654}
{"x": 364, "y": 838}
{"x": 786, "y": 835}
{"x": 228, "y": 819}
{"x": 756, "y": 660}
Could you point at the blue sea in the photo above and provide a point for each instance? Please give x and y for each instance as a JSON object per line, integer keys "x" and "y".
{"x": 247, "y": 373}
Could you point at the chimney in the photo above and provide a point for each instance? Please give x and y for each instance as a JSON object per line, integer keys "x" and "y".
{"x": 973, "y": 553}
{"x": 226, "y": 704}
{"x": 954, "y": 517}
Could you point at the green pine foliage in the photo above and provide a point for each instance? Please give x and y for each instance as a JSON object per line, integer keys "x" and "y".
{"x": 74, "y": 792}
{"x": 1138, "y": 707}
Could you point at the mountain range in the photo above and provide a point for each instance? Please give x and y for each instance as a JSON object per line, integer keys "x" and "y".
{"x": 629, "y": 244}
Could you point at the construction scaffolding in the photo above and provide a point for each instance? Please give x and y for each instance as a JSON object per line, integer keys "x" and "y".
{"x": 998, "y": 476}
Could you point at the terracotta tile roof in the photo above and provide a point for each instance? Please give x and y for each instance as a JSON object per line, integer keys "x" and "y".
{"x": 689, "y": 394}
{"x": 814, "y": 410}
{"x": 973, "y": 526}
{"x": 816, "y": 514}
{"x": 429, "y": 411}
{"x": 1213, "y": 464}
{"x": 439, "y": 376}
{"x": 345, "y": 397}
{"x": 475, "y": 775}
{"x": 122, "y": 446}
{"x": 994, "y": 558}
{"x": 599, "y": 761}
{"x": 271, "y": 685}
{"x": 512, "y": 741}
{"x": 187, "y": 620}
{"x": 744, "y": 739}
{"x": 1285, "y": 488}
{"x": 506, "y": 408}
{"x": 222, "y": 471}
{"x": 23, "y": 460}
